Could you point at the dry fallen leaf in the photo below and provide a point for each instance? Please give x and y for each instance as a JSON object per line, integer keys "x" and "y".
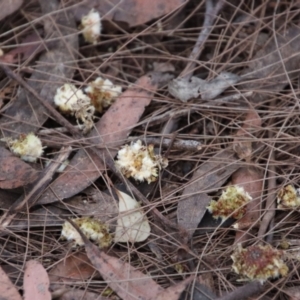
{"x": 210, "y": 175}
{"x": 186, "y": 89}
{"x": 36, "y": 282}
{"x": 125, "y": 280}
{"x": 75, "y": 267}
{"x": 242, "y": 143}
{"x": 133, "y": 12}
{"x": 8, "y": 7}
{"x": 112, "y": 129}
{"x": 132, "y": 224}
{"x": 251, "y": 179}
{"x": 7, "y": 290}
{"x": 14, "y": 172}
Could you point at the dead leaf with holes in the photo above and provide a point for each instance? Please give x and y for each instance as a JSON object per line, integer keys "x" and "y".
{"x": 111, "y": 131}
{"x": 36, "y": 282}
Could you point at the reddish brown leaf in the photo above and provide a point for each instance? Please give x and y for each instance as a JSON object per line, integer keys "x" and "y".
{"x": 128, "y": 282}
{"x": 7, "y": 289}
{"x": 36, "y": 282}
{"x": 8, "y": 7}
{"x": 75, "y": 267}
{"x": 251, "y": 179}
{"x": 14, "y": 172}
{"x": 210, "y": 175}
{"x": 132, "y": 12}
{"x": 112, "y": 129}
{"x": 242, "y": 144}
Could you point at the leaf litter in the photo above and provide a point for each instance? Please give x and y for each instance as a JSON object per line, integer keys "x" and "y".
{"x": 242, "y": 110}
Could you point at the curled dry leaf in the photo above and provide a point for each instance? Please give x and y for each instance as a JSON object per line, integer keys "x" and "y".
{"x": 132, "y": 224}
{"x": 186, "y": 89}
{"x": 111, "y": 131}
{"x": 7, "y": 290}
{"x": 36, "y": 282}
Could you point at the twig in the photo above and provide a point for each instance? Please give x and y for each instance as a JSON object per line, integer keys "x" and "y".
{"x": 210, "y": 16}
{"x": 37, "y": 188}
{"x": 244, "y": 292}
{"x": 185, "y": 145}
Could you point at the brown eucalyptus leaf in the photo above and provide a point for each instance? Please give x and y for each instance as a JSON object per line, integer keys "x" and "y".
{"x": 132, "y": 12}
{"x": 75, "y": 267}
{"x": 128, "y": 282}
{"x": 7, "y": 290}
{"x": 111, "y": 131}
{"x": 8, "y": 7}
{"x": 209, "y": 176}
{"x": 41, "y": 217}
{"x": 14, "y": 172}
{"x": 242, "y": 143}
{"x": 36, "y": 282}
{"x": 251, "y": 179}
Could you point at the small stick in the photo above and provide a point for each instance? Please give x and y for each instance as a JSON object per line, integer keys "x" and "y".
{"x": 185, "y": 145}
